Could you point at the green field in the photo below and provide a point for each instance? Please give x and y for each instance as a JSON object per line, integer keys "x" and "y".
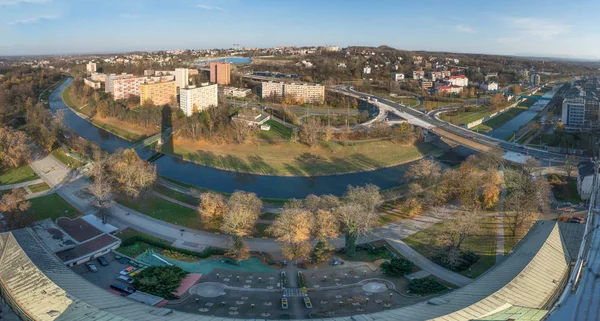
{"x": 184, "y": 198}
{"x": 38, "y": 187}
{"x": 463, "y": 118}
{"x": 164, "y": 210}
{"x": 61, "y": 156}
{"x": 51, "y": 206}
{"x": 139, "y": 247}
{"x": 17, "y": 175}
{"x": 484, "y": 244}
{"x": 277, "y": 131}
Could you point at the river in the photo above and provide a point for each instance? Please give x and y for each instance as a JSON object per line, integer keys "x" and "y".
{"x": 513, "y": 125}
{"x": 228, "y": 181}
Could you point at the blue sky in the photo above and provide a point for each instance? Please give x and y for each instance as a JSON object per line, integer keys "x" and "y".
{"x": 532, "y": 27}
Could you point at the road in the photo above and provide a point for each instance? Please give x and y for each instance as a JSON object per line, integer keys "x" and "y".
{"x": 450, "y": 131}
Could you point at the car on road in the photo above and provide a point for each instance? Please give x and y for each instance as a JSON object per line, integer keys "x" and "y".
{"x": 128, "y": 270}
{"x": 125, "y": 279}
{"x": 284, "y": 303}
{"x": 91, "y": 267}
{"x": 577, "y": 219}
{"x": 102, "y": 260}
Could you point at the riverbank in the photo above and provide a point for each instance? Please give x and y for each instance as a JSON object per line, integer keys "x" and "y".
{"x": 297, "y": 159}
{"x": 125, "y": 130}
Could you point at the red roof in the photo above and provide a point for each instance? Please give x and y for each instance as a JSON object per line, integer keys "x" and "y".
{"x": 459, "y": 76}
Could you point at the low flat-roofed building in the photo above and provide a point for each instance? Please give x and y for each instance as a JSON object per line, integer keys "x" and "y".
{"x": 91, "y": 83}
{"x": 78, "y": 228}
{"x": 251, "y": 118}
{"x": 236, "y": 92}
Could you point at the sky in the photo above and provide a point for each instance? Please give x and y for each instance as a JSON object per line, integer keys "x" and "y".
{"x": 509, "y": 27}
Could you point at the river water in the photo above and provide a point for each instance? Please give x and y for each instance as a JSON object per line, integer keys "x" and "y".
{"x": 512, "y": 126}
{"x": 228, "y": 181}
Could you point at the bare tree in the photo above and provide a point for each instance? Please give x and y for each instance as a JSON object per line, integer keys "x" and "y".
{"x": 460, "y": 227}
{"x": 241, "y": 131}
{"x": 101, "y": 191}
{"x": 129, "y": 174}
{"x": 569, "y": 164}
{"x": 425, "y": 172}
{"x": 14, "y": 205}
{"x": 310, "y": 131}
{"x": 520, "y": 210}
{"x": 530, "y": 165}
{"x": 240, "y": 219}
{"x": 212, "y": 207}
{"x": 292, "y": 229}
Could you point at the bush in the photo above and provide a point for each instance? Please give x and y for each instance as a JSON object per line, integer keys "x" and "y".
{"x": 425, "y": 286}
{"x": 454, "y": 259}
{"x": 398, "y": 266}
{"x": 209, "y": 251}
{"x": 160, "y": 280}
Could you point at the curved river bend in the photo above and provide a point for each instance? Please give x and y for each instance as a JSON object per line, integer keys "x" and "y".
{"x": 228, "y": 181}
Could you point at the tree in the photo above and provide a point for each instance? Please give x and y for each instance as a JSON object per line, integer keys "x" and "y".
{"x": 240, "y": 220}
{"x": 129, "y": 174}
{"x": 324, "y": 227}
{"x": 497, "y": 99}
{"x": 160, "y": 280}
{"x": 310, "y": 131}
{"x": 530, "y": 165}
{"x": 101, "y": 191}
{"x": 292, "y": 229}
{"x": 14, "y": 150}
{"x": 241, "y": 131}
{"x": 212, "y": 207}
{"x": 424, "y": 172}
{"x": 569, "y": 164}
{"x": 459, "y": 228}
{"x": 358, "y": 214}
{"x": 516, "y": 89}
{"x": 397, "y": 266}
{"x": 520, "y": 210}
{"x": 14, "y": 205}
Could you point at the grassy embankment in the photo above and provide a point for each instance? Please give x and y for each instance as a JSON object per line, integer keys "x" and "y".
{"x": 504, "y": 117}
{"x": 17, "y": 175}
{"x": 296, "y": 159}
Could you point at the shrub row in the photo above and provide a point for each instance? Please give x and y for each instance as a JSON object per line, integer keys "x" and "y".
{"x": 209, "y": 251}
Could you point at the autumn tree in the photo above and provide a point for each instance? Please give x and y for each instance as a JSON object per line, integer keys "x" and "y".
{"x": 101, "y": 191}
{"x": 490, "y": 189}
{"x": 241, "y": 131}
{"x": 212, "y": 207}
{"x": 14, "y": 149}
{"x": 310, "y": 131}
{"x": 14, "y": 206}
{"x": 324, "y": 227}
{"x": 526, "y": 199}
{"x": 240, "y": 220}
{"x": 357, "y": 214}
{"x": 451, "y": 236}
{"x": 129, "y": 174}
{"x": 292, "y": 229}
{"x": 530, "y": 165}
{"x": 569, "y": 163}
{"x": 516, "y": 89}
{"x": 497, "y": 100}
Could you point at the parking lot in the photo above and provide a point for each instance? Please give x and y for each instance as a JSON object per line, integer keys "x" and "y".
{"x": 106, "y": 275}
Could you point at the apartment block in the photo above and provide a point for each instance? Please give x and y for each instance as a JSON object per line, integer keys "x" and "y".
{"x": 91, "y": 83}
{"x": 573, "y": 112}
{"x": 91, "y": 67}
{"x": 158, "y": 93}
{"x": 110, "y": 80}
{"x": 220, "y": 73}
{"x": 182, "y": 77}
{"x": 198, "y": 98}
{"x": 126, "y": 87}
{"x": 534, "y": 79}
{"x": 308, "y": 93}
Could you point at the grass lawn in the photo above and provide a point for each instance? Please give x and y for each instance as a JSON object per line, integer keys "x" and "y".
{"x": 463, "y": 118}
{"x": 483, "y": 244}
{"x": 261, "y": 230}
{"x": 565, "y": 190}
{"x": 188, "y": 199}
{"x": 406, "y": 101}
{"x": 393, "y": 212}
{"x": 165, "y": 211}
{"x": 74, "y": 102}
{"x": 296, "y": 159}
{"x": 51, "y": 206}
{"x": 542, "y": 91}
{"x": 527, "y": 103}
{"x": 39, "y": 187}
{"x": 277, "y": 131}
{"x": 269, "y": 216}
{"x": 17, "y": 175}
{"x": 61, "y": 156}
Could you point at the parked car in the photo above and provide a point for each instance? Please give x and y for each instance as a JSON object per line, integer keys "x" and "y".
{"x": 125, "y": 279}
{"x": 577, "y": 219}
{"x": 127, "y": 270}
{"x": 91, "y": 267}
{"x": 102, "y": 260}
{"x": 284, "y": 303}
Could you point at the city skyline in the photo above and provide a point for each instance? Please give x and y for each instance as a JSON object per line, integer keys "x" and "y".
{"x": 536, "y": 28}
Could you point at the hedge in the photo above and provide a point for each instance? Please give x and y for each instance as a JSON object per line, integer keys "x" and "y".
{"x": 209, "y": 251}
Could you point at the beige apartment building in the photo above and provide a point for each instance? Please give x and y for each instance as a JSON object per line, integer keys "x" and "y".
{"x": 198, "y": 98}
{"x": 159, "y": 93}
{"x": 126, "y": 87}
{"x": 307, "y": 93}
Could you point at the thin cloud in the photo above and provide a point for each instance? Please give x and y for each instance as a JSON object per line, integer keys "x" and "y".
{"x": 14, "y": 2}
{"x": 539, "y": 28}
{"x": 33, "y": 20}
{"x": 464, "y": 29}
{"x": 207, "y": 7}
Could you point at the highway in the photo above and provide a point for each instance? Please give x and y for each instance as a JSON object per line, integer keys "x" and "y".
{"x": 447, "y": 130}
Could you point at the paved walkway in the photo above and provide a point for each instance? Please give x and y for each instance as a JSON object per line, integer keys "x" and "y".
{"x": 70, "y": 186}
{"x": 500, "y": 231}
{"x": 21, "y": 185}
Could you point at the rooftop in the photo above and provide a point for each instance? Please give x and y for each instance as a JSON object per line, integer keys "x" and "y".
{"x": 78, "y": 228}
{"x": 53, "y": 236}
{"x": 84, "y": 249}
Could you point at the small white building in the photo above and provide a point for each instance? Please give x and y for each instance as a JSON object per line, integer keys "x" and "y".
{"x": 489, "y": 86}
{"x": 367, "y": 70}
{"x": 460, "y": 80}
{"x": 418, "y": 74}
{"x": 397, "y": 76}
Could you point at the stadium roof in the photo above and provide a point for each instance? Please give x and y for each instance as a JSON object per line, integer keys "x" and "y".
{"x": 45, "y": 289}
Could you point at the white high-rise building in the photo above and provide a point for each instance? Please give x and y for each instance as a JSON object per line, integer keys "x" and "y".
{"x": 91, "y": 67}
{"x": 198, "y": 98}
{"x": 182, "y": 77}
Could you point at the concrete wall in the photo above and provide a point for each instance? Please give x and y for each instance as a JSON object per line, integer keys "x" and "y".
{"x": 484, "y": 119}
